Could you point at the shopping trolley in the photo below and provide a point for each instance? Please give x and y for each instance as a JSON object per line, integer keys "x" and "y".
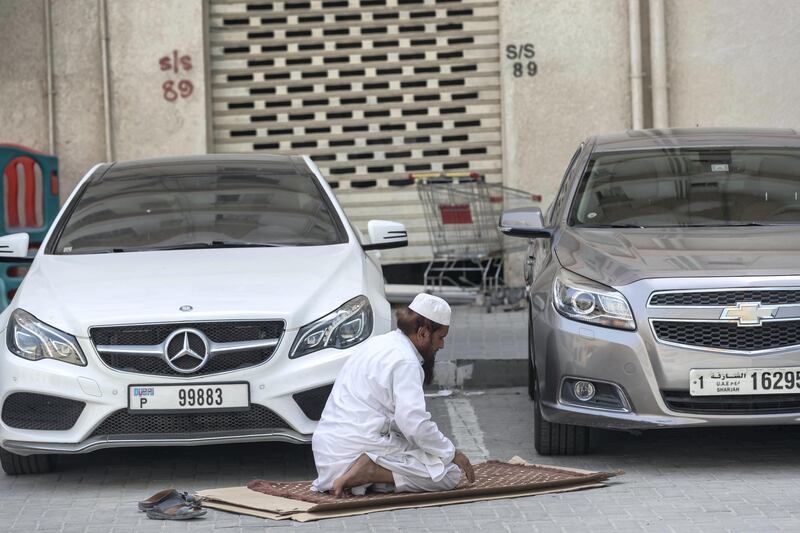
{"x": 462, "y": 213}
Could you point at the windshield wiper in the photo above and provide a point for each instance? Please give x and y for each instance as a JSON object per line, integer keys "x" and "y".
{"x": 610, "y": 226}
{"x": 735, "y": 224}
{"x": 92, "y": 252}
{"x": 200, "y": 246}
{"x": 242, "y": 244}
{"x": 187, "y": 246}
{"x": 216, "y": 244}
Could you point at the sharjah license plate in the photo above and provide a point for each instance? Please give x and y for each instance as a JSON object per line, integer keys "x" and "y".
{"x": 182, "y": 398}
{"x": 732, "y": 381}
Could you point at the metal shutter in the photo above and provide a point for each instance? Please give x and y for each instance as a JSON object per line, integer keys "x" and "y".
{"x": 370, "y": 89}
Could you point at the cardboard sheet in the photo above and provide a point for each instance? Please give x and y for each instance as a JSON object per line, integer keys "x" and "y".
{"x": 245, "y": 501}
{"x": 311, "y": 516}
{"x": 246, "y": 510}
{"x": 244, "y": 497}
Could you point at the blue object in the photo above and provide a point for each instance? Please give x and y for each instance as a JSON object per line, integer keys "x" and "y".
{"x": 29, "y": 188}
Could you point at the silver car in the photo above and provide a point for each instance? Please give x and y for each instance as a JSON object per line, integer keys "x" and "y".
{"x": 664, "y": 285}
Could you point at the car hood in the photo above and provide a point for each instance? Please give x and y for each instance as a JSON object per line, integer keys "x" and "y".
{"x": 297, "y": 284}
{"x": 618, "y": 257}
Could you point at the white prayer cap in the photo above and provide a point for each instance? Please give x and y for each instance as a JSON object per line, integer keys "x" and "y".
{"x": 431, "y": 307}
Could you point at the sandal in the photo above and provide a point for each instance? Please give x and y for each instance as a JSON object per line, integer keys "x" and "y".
{"x": 176, "y": 512}
{"x": 161, "y": 496}
{"x": 176, "y": 507}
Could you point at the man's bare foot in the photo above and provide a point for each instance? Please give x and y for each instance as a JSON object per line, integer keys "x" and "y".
{"x": 361, "y": 472}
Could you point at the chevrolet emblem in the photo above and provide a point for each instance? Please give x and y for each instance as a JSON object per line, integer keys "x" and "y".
{"x": 749, "y": 313}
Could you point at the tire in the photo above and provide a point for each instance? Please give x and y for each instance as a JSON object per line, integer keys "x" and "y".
{"x": 15, "y": 465}
{"x": 558, "y": 439}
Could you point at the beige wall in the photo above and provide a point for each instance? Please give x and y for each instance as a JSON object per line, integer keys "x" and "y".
{"x": 733, "y": 62}
{"x": 78, "y": 84}
{"x": 143, "y": 122}
{"x": 581, "y": 88}
{"x": 23, "y": 82}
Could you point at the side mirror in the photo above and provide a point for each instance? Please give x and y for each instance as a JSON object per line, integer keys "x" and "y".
{"x": 384, "y": 234}
{"x": 525, "y": 222}
{"x": 14, "y": 248}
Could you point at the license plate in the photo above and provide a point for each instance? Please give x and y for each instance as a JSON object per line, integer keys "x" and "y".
{"x": 187, "y": 398}
{"x": 733, "y": 381}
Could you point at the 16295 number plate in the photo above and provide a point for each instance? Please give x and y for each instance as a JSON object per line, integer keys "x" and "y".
{"x": 183, "y": 398}
{"x": 738, "y": 381}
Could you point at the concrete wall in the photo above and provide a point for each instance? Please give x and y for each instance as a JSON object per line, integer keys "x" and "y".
{"x": 147, "y": 119}
{"x": 78, "y": 84}
{"x": 23, "y": 82}
{"x": 581, "y": 87}
{"x": 733, "y": 62}
{"x": 150, "y": 119}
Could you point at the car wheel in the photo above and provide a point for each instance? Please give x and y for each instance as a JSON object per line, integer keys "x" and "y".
{"x": 558, "y": 439}
{"x": 14, "y": 464}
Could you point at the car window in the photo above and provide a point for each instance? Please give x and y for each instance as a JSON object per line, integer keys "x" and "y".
{"x": 690, "y": 187}
{"x": 150, "y": 210}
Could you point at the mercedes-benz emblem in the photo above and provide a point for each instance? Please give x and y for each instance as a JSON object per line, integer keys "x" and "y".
{"x": 186, "y": 308}
{"x": 186, "y": 350}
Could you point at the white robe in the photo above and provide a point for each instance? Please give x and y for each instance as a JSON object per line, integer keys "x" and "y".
{"x": 377, "y": 407}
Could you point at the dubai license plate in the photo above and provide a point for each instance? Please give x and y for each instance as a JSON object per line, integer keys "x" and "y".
{"x": 187, "y": 398}
{"x": 733, "y": 381}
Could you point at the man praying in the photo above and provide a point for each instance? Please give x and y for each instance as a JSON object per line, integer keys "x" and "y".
{"x": 375, "y": 431}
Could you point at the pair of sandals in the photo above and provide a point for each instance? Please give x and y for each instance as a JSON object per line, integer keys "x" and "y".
{"x": 169, "y": 504}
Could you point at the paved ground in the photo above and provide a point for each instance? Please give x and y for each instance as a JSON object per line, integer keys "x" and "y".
{"x": 681, "y": 480}
{"x": 484, "y": 349}
{"x": 475, "y": 335}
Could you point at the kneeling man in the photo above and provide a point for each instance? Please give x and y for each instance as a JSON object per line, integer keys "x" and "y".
{"x": 375, "y": 430}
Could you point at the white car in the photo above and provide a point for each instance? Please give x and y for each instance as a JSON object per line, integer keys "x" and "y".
{"x": 185, "y": 301}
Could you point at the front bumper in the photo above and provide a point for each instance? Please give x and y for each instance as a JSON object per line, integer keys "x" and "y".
{"x": 273, "y": 386}
{"x": 643, "y": 371}
{"x": 97, "y": 443}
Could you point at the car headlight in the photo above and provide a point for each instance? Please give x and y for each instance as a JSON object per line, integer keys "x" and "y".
{"x": 32, "y": 339}
{"x": 343, "y": 328}
{"x": 584, "y": 300}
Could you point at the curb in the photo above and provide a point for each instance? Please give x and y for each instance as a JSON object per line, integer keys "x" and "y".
{"x": 480, "y": 373}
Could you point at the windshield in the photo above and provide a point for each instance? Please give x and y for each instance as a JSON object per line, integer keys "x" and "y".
{"x": 690, "y": 187}
{"x": 158, "y": 209}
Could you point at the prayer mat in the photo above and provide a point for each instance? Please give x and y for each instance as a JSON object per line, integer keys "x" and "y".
{"x": 493, "y": 480}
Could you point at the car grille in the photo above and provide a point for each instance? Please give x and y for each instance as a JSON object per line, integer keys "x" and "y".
{"x": 313, "y": 401}
{"x": 216, "y": 331}
{"x": 729, "y": 336}
{"x": 26, "y": 410}
{"x": 723, "y": 298}
{"x": 124, "y": 423}
{"x": 682, "y": 401}
{"x": 152, "y": 334}
{"x": 155, "y": 366}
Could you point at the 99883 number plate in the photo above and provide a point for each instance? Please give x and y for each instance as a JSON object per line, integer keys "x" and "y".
{"x": 738, "y": 381}
{"x": 188, "y": 398}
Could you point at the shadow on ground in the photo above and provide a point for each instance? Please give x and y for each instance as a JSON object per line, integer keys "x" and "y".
{"x": 237, "y": 462}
